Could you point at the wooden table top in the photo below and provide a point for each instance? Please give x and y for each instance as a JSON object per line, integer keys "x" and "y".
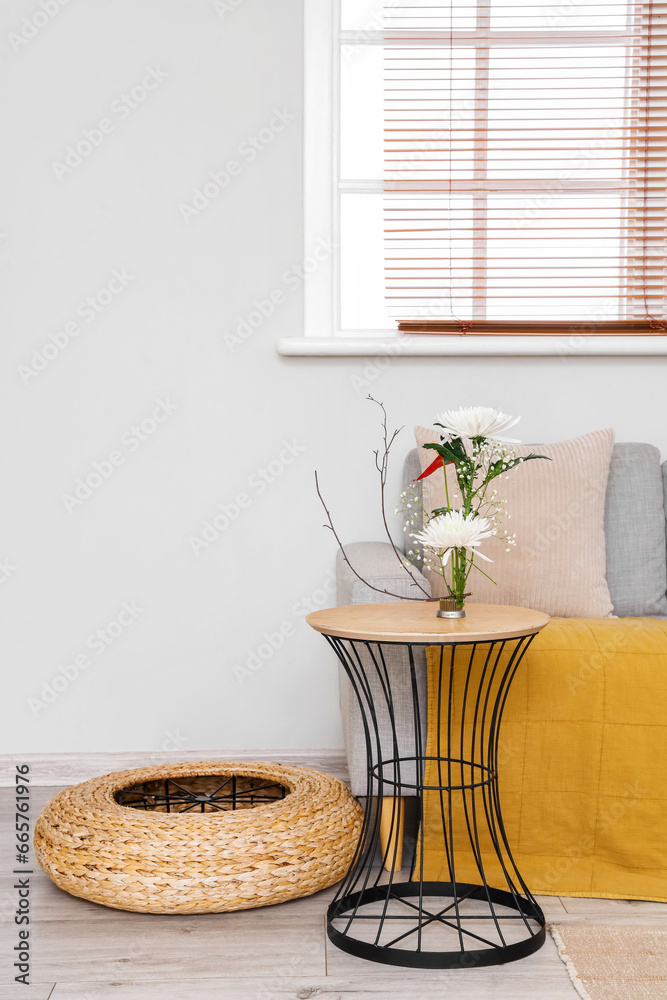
{"x": 416, "y": 621}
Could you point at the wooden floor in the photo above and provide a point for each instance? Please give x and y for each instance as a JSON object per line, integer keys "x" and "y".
{"x": 82, "y": 951}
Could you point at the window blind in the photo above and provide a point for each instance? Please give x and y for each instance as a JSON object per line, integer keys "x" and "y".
{"x": 525, "y": 161}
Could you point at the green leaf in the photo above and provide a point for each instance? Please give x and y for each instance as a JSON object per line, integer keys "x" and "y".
{"x": 496, "y": 469}
{"x": 444, "y": 450}
{"x": 458, "y": 448}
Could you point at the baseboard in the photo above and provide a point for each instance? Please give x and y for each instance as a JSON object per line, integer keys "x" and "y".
{"x": 70, "y": 768}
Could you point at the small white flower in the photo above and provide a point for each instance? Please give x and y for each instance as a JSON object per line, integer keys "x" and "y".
{"x": 455, "y": 531}
{"x": 476, "y": 421}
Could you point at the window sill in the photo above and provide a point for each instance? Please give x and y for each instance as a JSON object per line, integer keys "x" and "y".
{"x": 429, "y": 346}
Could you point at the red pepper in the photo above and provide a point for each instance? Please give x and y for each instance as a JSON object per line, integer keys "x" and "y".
{"x": 437, "y": 464}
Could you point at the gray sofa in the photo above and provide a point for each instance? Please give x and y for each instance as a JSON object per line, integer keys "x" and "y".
{"x": 636, "y": 573}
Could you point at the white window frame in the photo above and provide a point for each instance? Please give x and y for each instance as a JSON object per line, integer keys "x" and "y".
{"x": 322, "y": 335}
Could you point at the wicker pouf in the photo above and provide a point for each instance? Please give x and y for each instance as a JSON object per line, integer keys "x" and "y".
{"x": 199, "y": 838}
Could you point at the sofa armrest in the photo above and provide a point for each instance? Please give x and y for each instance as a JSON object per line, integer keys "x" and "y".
{"x": 377, "y": 563}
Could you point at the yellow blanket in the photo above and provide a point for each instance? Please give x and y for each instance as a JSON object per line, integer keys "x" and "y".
{"x": 582, "y": 763}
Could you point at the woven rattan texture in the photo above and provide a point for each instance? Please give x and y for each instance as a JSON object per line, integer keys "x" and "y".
{"x": 192, "y": 862}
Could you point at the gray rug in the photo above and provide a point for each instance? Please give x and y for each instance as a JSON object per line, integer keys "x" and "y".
{"x": 611, "y": 962}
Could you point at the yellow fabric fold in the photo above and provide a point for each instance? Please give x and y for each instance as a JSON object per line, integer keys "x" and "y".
{"x": 582, "y": 760}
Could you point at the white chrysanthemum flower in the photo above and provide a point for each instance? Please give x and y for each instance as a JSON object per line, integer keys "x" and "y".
{"x": 455, "y": 530}
{"x": 476, "y": 421}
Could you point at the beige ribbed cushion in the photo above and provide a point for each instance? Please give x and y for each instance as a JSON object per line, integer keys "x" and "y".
{"x": 557, "y": 512}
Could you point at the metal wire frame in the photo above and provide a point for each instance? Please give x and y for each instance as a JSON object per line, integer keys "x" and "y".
{"x": 188, "y": 794}
{"x": 374, "y": 900}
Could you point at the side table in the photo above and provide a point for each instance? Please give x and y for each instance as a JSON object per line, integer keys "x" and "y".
{"x": 378, "y": 914}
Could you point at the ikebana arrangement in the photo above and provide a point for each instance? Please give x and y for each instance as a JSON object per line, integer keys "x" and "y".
{"x": 471, "y": 445}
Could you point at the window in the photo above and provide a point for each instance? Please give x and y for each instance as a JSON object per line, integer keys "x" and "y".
{"x": 525, "y": 159}
{"x": 496, "y": 167}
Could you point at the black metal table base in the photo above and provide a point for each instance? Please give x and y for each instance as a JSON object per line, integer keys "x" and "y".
{"x": 481, "y": 950}
{"x": 403, "y": 917}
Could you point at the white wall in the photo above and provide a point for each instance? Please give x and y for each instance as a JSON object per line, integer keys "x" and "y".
{"x": 168, "y": 680}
